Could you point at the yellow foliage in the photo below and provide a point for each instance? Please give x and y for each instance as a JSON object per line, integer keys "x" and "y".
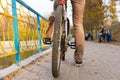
{"x": 27, "y": 29}
{"x": 44, "y": 25}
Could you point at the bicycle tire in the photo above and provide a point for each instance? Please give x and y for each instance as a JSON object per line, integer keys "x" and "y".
{"x": 56, "y": 41}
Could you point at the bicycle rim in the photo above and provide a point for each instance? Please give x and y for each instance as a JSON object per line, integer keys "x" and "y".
{"x": 56, "y": 42}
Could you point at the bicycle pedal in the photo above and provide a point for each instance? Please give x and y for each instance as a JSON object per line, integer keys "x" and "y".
{"x": 72, "y": 45}
{"x": 47, "y": 41}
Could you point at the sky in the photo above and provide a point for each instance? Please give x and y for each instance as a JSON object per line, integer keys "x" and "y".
{"x": 44, "y": 7}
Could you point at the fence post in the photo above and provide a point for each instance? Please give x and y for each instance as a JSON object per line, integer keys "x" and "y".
{"x": 15, "y": 26}
{"x": 39, "y": 33}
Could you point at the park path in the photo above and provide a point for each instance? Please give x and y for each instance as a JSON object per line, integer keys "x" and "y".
{"x": 101, "y": 62}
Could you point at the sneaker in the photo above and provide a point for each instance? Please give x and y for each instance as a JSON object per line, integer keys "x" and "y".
{"x": 78, "y": 64}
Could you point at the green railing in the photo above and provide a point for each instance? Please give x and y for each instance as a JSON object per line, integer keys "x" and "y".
{"x": 21, "y": 31}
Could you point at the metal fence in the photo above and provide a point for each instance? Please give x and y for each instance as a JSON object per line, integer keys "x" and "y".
{"x": 21, "y": 31}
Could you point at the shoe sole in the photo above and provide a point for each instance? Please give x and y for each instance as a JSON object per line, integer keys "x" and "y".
{"x": 78, "y": 65}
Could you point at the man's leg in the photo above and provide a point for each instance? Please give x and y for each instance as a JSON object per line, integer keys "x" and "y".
{"x": 50, "y": 27}
{"x": 78, "y": 10}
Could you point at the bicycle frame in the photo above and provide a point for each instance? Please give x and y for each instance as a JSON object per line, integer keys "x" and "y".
{"x": 64, "y": 3}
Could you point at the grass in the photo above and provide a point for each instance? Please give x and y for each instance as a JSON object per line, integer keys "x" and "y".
{"x": 7, "y": 61}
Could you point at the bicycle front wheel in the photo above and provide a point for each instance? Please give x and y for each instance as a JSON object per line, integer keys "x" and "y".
{"x": 56, "y": 42}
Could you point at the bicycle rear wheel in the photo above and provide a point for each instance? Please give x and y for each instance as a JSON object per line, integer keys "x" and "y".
{"x": 56, "y": 42}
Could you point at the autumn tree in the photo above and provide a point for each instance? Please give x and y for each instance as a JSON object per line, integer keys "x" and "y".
{"x": 93, "y": 15}
{"x": 112, "y": 10}
{"x": 96, "y": 11}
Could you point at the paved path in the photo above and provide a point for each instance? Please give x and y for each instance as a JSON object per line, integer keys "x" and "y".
{"x": 101, "y": 62}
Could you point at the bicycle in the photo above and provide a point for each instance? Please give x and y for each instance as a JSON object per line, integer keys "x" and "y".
{"x": 60, "y": 36}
